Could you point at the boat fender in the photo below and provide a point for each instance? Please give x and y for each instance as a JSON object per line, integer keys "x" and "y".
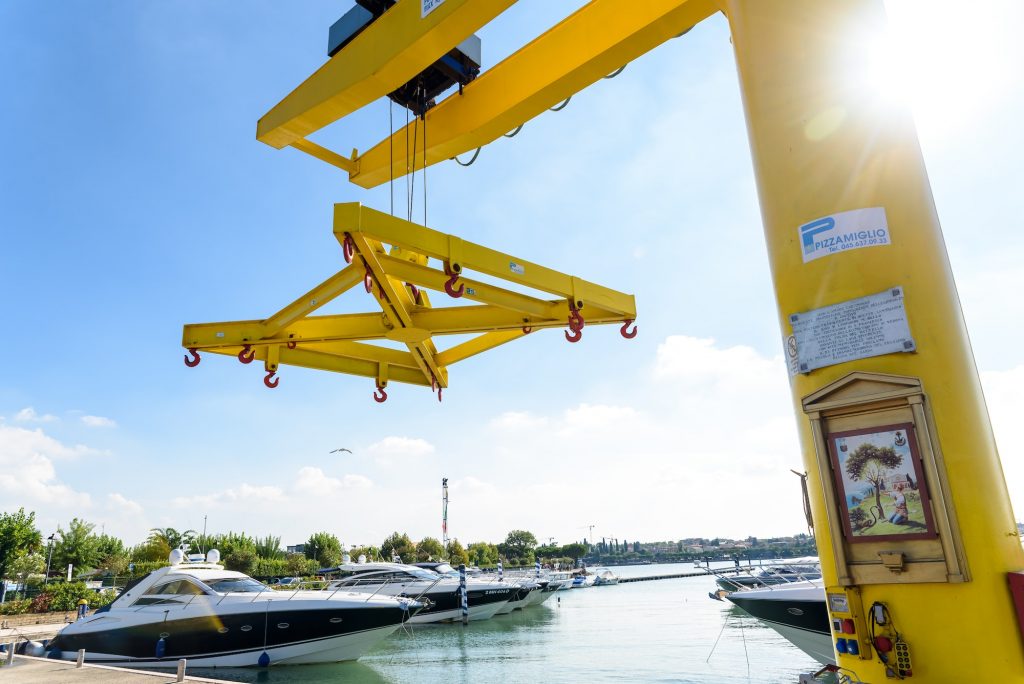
{"x": 34, "y": 648}
{"x": 264, "y": 659}
{"x": 161, "y": 647}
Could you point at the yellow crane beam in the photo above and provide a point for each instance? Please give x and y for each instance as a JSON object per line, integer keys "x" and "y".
{"x": 586, "y": 46}
{"x": 385, "y": 55}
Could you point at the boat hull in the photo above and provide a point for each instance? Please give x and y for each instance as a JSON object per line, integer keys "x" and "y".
{"x": 229, "y": 639}
{"x": 520, "y": 600}
{"x": 798, "y": 614}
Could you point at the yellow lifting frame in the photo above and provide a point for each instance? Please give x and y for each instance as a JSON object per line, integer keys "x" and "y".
{"x": 395, "y": 276}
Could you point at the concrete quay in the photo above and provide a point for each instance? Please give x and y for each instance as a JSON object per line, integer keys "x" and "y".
{"x": 29, "y": 670}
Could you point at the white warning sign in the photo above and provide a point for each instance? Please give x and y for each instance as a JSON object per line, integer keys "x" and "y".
{"x": 856, "y": 329}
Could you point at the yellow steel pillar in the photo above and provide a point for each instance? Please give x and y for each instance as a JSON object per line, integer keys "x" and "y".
{"x": 823, "y": 142}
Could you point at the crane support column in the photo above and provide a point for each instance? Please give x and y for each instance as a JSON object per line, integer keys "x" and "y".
{"x": 824, "y": 143}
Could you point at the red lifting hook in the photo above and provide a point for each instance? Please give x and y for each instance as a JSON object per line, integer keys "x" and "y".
{"x": 291, "y": 344}
{"x": 247, "y": 354}
{"x": 383, "y": 395}
{"x": 576, "y": 336}
{"x": 625, "y": 333}
{"x": 194, "y": 361}
{"x": 449, "y": 285}
{"x": 348, "y": 248}
{"x": 270, "y": 381}
{"x": 368, "y": 281}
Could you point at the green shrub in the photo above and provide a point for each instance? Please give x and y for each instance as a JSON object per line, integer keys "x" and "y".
{"x": 297, "y": 565}
{"x": 102, "y": 598}
{"x": 41, "y": 603}
{"x": 271, "y": 567}
{"x": 65, "y": 595}
{"x": 146, "y": 567}
{"x": 242, "y": 560}
{"x": 16, "y": 607}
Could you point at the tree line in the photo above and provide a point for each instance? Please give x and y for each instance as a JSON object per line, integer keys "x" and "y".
{"x": 25, "y": 555}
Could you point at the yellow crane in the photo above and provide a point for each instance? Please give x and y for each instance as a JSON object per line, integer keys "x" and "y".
{"x": 913, "y": 520}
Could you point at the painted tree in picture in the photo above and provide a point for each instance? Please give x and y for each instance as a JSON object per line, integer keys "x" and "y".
{"x": 872, "y": 464}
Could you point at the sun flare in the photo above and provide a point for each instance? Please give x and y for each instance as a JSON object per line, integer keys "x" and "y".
{"x": 950, "y": 61}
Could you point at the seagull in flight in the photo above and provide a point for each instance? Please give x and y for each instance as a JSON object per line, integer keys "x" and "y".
{"x": 334, "y": 451}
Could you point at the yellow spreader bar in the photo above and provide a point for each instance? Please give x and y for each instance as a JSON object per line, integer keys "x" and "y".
{"x": 389, "y": 259}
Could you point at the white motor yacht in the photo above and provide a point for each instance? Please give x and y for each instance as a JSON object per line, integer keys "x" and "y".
{"x": 218, "y": 618}
{"x": 439, "y": 592}
{"x": 784, "y": 572}
{"x": 604, "y": 577}
{"x": 796, "y": 610}
{"x": 526, "y": 590}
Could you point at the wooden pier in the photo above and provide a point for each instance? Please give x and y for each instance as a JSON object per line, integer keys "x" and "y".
{"x": 701, "y": 572}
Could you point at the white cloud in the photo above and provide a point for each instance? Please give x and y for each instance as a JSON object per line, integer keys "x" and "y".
{"x": 697, "y": 447}
{"x": 98, "y": 421}
{"x": 313, "y": 481}
{"x": 27, "y": 473}
{"x": 119, "y": 504}
{"x": 518, "y": 420}
{"x": 1006, "y": 406}
{"x": 29, "y": 415}
{"x": 700, "y": 364}
{"x": 598, "y": 417}
{"x": 245, "y": 494}
{"x": 387, "y": 450}
{"x": 473, "y": 485}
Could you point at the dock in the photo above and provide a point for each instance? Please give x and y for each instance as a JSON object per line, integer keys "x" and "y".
{"x": 30, "y": 670}
{"x": 30, "y": 632}
{"x": 693, "y": 573}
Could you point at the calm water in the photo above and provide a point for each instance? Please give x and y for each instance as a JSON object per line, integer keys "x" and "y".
{"x": 657, "y": 631}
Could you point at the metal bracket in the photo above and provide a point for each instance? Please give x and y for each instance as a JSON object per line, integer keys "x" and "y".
{"x": 893, "y": 560}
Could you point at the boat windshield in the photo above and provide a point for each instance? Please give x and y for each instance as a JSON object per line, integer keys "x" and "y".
{"x": 357, "y": 578}
{"x": 445, "y": 569}
{"x": 238, "y": 585}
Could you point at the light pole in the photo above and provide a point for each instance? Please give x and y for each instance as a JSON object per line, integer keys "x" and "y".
{"x": 49, "y": 556}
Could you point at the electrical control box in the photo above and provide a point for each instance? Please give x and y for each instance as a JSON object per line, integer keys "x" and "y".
{"x": 846, "y": 620}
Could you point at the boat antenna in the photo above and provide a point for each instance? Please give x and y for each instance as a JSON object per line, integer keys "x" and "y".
{"x": 444, "y": 512}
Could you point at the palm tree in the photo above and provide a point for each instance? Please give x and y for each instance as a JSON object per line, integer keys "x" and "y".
{"x": 170, "y": 537}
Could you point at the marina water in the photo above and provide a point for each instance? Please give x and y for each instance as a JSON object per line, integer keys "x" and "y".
{"x": 653, "y": 631}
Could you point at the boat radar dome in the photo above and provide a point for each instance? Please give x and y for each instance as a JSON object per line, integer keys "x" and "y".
{"x": 177, "y": 555}
{"x": 213, "y": 556}
{"x": 362, "y": 558}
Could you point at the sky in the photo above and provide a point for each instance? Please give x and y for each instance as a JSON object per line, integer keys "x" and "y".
{"x": 134, "y": 198}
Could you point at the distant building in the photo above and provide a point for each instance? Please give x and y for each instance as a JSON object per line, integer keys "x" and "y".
{"x": 298, "y": 548}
